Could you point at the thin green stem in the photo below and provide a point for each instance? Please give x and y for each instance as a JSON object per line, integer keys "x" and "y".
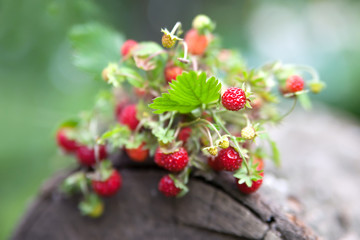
{"x": 177, "y": 25}
{"x": 290, "y": 111}
{"x": 212, "y": 126}
{"x": 170, "y": 122}
{"x": 233, "y": 138}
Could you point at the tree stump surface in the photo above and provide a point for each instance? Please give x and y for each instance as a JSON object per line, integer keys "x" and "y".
{"x": 305, "y": 189}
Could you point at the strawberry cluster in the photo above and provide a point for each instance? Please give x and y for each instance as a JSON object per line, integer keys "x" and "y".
{"x": 189, "y": 106}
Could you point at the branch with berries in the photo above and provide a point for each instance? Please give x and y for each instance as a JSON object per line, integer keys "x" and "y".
{"x": 190, "y": 106}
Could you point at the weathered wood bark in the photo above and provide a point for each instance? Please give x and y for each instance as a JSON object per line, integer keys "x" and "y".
{"x": 212, "y": 210}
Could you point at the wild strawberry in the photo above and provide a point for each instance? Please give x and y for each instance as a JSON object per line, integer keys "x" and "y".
{"x": 224, "y": 143}
{"x": 167, "y": 41}
{"x": 257, "y": 103}
{"x": 248, "y": 133}
{"x": 171, "y": 72}
{"x": 184, "y": 134}
{"x": 128, "y": 46}
{"x": 108, "y": 187}
{"x": 86, "y": 155}
{"x": 104, "y": 74}
{"x": 260, "y": 162}
{"x": 247, "y": 190}
{"x": 158, "y": 158}
{"x": 138, "y": 154}
{"x": 233, "y": 99}
{"x": 295, "y": 83}
{"x": 316, "y": 86}
{"x": 212, "y": 150}
{"x": 65, "y": 143}
{"x": 120, "y": 106}
{"x": 215, "y": 164}
{"x": 167, "y": 187}
{"x": 197, "y": 43}
{"x": 229, "y": 159}
{"x": 128, "y": 116}
{"x": 173, "y": 162}
{"x": 140, "y": 92}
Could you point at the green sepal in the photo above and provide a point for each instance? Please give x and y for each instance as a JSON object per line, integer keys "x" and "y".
{"x": 244, "y": 177}
{"x": 91, "y": 206}
{"x": 74, "y": 183}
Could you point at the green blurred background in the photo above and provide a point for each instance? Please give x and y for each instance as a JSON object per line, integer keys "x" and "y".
{"x": 39, "y": 86}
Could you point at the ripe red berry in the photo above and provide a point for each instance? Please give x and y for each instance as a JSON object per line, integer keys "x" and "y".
{"x": 229, "y": 159}
{"x": 128, "y": 116}
{"x": 127, "y": 47}
{"x": 171, "y": 72}
{"x": 138, "y": 154}
{"x": 295, "y": 83}
{"x": 158, "y": 158}
{"x": 247, "y": 190}
{"x": 260, "y": 162}
{"x": 197, "y": 43}
{"x": 184, "y": 134}
{"x": 86, "y": 155}
{"x": 140, "y": 92}
{"x": 215, "y": 164}
{"x": 108, "y": 187}
{"x": 68, "y": 145}
{"x": 167, "y": 187}
{"x": 233, "y": 99}
{"x": 173, "y": 162}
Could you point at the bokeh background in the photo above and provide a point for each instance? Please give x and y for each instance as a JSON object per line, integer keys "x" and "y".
{"x": 39, "y": 86}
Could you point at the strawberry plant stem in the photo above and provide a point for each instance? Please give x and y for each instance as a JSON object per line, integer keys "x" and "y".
{"x": 233, "y": 138}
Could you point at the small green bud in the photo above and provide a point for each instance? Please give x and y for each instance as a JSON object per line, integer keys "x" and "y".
{"x": 212, "y": 150}
{"x": 316, "y": 87}
{"x": 203, "y": 23}
{"x": 224, "y": 143}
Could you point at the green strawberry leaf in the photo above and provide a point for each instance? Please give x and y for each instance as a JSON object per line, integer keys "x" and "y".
{"x": 94, "y": 45}
{"x": 118, "y": 136}
{"x": 187, "y": 93}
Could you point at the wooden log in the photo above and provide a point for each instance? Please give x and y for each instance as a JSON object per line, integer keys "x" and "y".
{"x": 211, "y": 210}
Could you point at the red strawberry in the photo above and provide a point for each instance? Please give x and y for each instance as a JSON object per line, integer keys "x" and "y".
{"x": 256, "y": 184}
{"x": 247, "y": 190}
{"x": 158, "y": 158}
{"x": 68, "y": 145}
{"x": 108, "y": 187}
{"x": 260, "y": 162}
{"x": 295, "y": 83}
{"x": 120, "y": 107}
{"x": 140, "y": 92}
{"x": 173, "y": 162}
{"x": 167, "y": 187}
{"x": 184, "y": 134}
{"x": 86, "y": 155}
{"x": 171, "y": 72}
{"x": 229, "y": 159}
{"x": 215, "y": 164}
{"x": 233, "y": 99}
{"x": 197, "y": 43}
{"x": 138, "y": 154}
{"x": 128, "y": 116}
{"x": 127, "y": 47}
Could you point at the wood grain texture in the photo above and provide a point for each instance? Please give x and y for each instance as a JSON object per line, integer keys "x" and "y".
{"x": 211, "y": 210}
